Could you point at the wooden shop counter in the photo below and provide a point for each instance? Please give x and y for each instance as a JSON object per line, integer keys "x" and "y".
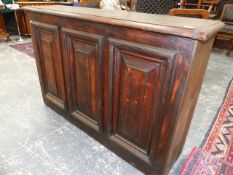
{"x": 130, "y": 80}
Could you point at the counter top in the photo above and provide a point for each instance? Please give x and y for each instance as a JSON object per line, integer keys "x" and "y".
{"x": 198, "y": 29}
{"x": 32, "y": 3}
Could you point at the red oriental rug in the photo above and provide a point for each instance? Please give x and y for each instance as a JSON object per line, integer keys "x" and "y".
{"x": 215, "y": 157}
{"x": 26, "y": 48}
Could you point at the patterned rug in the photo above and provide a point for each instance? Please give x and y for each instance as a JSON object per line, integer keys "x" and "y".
{"x": 200, "y": 162}
{"x": 215, "y": 157}
{"x": 26, "y": 48}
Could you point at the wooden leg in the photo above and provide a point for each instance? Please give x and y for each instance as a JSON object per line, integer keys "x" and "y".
{"x": 199, "y": 4}
{"x": 3, "y": 30}
{"x": 230, "y": 48}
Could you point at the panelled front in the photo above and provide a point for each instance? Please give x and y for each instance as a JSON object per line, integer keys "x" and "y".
{"x": 138, "y": 79}
{"x": 130, "y": 84}
{"x": 84, "y": 61}
{"x": 46, "y": 40}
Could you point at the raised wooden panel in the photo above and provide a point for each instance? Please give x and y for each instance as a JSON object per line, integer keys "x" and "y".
{"x": 46, "y": 40}
{"x": 139, "y": 78}
{"x": 84, "y": 59}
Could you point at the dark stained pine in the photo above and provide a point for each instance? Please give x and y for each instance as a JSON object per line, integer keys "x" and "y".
{"x": 129, "y": 80}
